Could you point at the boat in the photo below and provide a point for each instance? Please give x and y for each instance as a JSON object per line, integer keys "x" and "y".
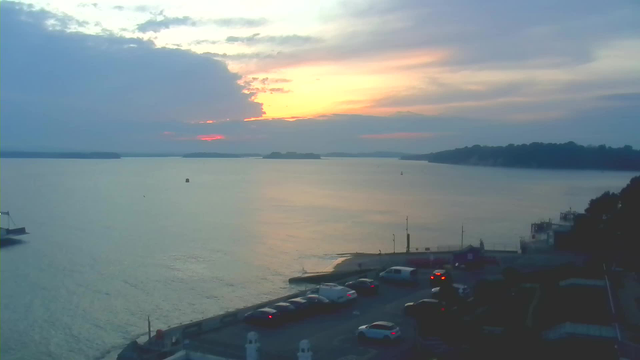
{"x": 9, "y": 232}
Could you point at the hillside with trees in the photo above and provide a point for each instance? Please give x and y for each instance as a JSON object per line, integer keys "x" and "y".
{"x": 609, "y": 226}
{"x": 539, "y": 155}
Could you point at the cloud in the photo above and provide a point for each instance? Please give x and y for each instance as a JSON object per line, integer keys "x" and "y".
{"x": 279, "y": 90}
{"x": 235, "y": 39}
{"x": 401, "y": 136}
{"x": 204, "y": 42}
{"x": 240, "y": 23}
{"x": 279, "y": 81}
{"x": 281, "y": 40}
{"x": 86, "y": 5}
{"x": 243, "y": 56}
{"x": 212, "y": 137}
{"x": 103, "y": 92}
{"x": 136, "y": 8}
{"x": 156, "y": 24}
{"x": 255, "y": 85}
{"x": 624, "y": 98}
{"x": 543, "y": 34}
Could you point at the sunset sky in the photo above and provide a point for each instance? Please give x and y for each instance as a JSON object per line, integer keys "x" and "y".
{"x": 404, "y": 75}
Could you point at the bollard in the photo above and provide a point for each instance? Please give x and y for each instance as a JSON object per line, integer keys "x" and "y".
{"x": 252, "y": 346}
{"x": 304, "y": 352}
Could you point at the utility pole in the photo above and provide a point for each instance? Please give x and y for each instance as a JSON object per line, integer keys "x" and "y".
{"x": 149, "y": 327}
{"x": 462, "y": 237}
{"x": 394, "y": 243}
{"x": 408, "y": 236}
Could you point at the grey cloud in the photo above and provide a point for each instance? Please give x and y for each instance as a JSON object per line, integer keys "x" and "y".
{"x": 86, "y": 5}
{"x": 236, "y": 39}
{"x": 281, "y": 40}
{"x": 262, "y": 85}
{"x": 442, "y": 94}
{"x": 102, "y": 92}
{"x": 623, "y": 98}
{"x": 158, "y": 24}
{"x": 279, "y": 81}
{"x": 240, "y": 23}
{"x": 243, "y": 56}
{"x": 279, "y": 90}
{"x": 342, "y": 132}
{"x": 204, "y": 42}
{"x": 547, "y": 33}
{"x": 47, "y": 19}
{"x": 137, "y": 8}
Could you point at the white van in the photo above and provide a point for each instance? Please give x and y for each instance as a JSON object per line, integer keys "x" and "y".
{"x": 400, "y": 274}
{"x": 335, "y": 293}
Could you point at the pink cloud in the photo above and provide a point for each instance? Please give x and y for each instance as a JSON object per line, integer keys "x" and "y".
{"x": 168, "y": 133}
{"x": 405, "y": 135}
{"x": 211, "y": 137}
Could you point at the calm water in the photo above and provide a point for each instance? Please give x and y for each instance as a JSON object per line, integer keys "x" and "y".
{"x": 114, "y": 241}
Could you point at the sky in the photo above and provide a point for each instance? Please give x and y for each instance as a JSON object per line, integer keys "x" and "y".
{"x": 253, "y": 76}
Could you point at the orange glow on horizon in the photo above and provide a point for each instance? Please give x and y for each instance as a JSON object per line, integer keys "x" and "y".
{"x": 350, "y": 86}
{"x": 211, "y": 137}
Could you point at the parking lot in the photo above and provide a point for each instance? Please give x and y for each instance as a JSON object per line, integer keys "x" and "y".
{"x": 332, "y": 335}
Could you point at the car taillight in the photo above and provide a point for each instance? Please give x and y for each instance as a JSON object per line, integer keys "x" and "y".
{"x": 393, "y": 333}
{"x": 442, "y": 309}
{"x": 438, "y": 274}
{"x": 270, "y": 316}
{"x": 349, "y": 295}
{"x": 444, "y": 277}
{"x": 373, "y": 286}
{"x": 432, "y": 278}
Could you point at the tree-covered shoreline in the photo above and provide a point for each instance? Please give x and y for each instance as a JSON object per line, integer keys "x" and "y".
{"x": 539, "y": 155}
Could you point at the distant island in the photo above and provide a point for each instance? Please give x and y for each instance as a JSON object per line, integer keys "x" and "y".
{"x": 375, "y": 154}
{"x": 58, "y": 155}
{"x": 292, "y": 155}
{"x": 539, "y": 155}
{"x": 214, "y": 155}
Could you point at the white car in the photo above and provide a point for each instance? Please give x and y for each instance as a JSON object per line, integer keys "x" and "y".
{"x": 334, "y": 293}
{"x": 378, "y": 330}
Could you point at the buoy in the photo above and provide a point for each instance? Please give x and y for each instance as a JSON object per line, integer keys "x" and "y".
{"x": 187, "y": 180}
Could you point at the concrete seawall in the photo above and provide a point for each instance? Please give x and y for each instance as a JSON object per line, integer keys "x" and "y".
{"x": 173, "y": 338}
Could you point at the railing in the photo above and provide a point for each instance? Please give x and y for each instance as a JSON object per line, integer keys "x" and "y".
{"x": 487, "y": 246}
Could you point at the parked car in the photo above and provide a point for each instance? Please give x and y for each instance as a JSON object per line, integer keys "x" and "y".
{"x": 456, "y": 293}
{"x": 301, "y": 305}
{"x": 264, "y": 317}
{"x": 381, "y": 330}
{"x": 400, "y": 274}
{"x": 334, "y": 293}
{"x": 440, "y": 278}
{"x": 425, "y": 308}
{"x": 317, "y": 303}
{"x": 363, "y": 286}
{"x": 287, "y": 311}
